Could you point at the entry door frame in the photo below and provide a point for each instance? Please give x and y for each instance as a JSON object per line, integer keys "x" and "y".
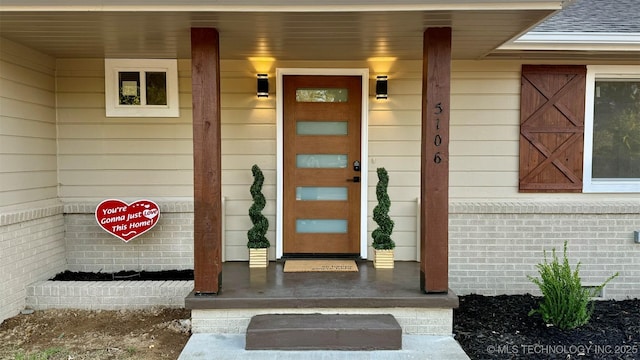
{"x": 364, "y": 154}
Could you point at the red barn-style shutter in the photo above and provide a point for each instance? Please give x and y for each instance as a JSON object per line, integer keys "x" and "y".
{"x": 552, "y": 128}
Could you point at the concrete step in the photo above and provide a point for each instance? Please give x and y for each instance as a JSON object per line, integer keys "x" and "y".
{"x": 209, "y": 346}
{"x": 323, "y": 332}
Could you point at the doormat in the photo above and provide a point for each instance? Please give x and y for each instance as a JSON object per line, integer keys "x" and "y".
{"x": 320, "y": 266}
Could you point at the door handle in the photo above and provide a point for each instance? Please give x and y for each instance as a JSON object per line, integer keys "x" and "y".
{"x": 355, "y": 179}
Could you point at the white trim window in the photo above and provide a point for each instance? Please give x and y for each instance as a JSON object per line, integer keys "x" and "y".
{"x": 141, "y": 88}
{"x": 612, "y": 129}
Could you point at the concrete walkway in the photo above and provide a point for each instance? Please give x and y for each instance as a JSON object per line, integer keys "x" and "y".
{"x": 231, "y": 347}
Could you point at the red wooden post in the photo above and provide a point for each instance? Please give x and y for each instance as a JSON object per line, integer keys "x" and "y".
{"x": 434, "y": 215}
{"x": 207, "y": 162}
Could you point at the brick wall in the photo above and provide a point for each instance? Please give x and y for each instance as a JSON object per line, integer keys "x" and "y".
{"x": 494, "y": 246}
{"x": 107, "y": 295}
{"x": 421, "y": 321}
{"x": 31, "y": 249}
{"x": 167, "y": 246}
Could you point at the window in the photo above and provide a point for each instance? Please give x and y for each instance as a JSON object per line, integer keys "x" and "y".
{"x": 612, "y": 129}
{"x": 141, "y": 88}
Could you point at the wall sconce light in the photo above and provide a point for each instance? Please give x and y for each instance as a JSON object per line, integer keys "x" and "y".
{"x": 381, "y": 87}
{"x": 263, "y": 85}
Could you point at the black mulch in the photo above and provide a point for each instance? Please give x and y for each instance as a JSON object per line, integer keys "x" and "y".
{"x": 498, "y": 327}
{"x": 124, "y": 275}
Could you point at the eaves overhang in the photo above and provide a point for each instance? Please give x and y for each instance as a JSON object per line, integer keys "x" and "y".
{"x": 572, "y": 45}
{"x": 284, "y": 29}
{"x": 277, "y": 5}
{"x": 583, "y": 41}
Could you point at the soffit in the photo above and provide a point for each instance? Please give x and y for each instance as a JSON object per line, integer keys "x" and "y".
{"x": 289, "y": 35}
{"x": 277, "y": 5}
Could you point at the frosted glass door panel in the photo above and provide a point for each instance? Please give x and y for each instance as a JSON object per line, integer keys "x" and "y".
{"x": 321, "y": 128}
{"x": 322, "y": 95}
{"x": 311, "y": 193}
{"x": 331, "y": 161}
{"x": 321, "y": 226}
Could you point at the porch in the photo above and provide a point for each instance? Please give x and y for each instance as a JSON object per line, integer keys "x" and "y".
{"x": 155, "y": 158}
{"x": 248, "y": 292}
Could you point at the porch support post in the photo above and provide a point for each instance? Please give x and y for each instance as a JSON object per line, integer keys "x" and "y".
{"x": 207, "y": 212}
{"x": 434, "y": 194}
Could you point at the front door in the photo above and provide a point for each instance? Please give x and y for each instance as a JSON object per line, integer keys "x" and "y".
{"x": 321, "y": 132}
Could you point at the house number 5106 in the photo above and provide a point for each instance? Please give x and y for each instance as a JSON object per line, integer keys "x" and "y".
{"x": 437, "y": 141}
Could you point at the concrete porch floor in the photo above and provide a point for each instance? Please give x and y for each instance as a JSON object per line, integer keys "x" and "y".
{"x": 272, "y": 288}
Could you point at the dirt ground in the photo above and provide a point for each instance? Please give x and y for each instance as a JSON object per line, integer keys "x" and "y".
{"x": 96, "y": 335}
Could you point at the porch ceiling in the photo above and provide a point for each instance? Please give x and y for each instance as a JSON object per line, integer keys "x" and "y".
{"x": 282, "y": 35}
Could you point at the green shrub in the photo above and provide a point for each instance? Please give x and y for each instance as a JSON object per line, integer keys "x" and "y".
{"x": 382, "y": 235}
{"x": 257, "y": 234}
{"x": 565, "y": 303}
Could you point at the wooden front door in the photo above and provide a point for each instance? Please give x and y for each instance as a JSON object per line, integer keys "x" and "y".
{"x": 322, "y": 121}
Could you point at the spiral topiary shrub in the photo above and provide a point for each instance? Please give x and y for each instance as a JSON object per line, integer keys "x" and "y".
{"x": 257, "y": 234}
{"x": 382, "y": 235}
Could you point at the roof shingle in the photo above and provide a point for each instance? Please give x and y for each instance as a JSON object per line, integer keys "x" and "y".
{"x": 609, "y": 16}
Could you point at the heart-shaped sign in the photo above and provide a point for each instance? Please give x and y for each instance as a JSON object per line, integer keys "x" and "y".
{"x": 127, "y": 221}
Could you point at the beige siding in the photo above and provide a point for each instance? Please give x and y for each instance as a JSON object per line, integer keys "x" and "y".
{"x": 31, "y": 223}
{"x": 128, "y": 157}
{"x": 394, "y": 143}
{"x": 102, "y": 157}
{"x": 248, "y": 137}
{"x": 485, "y": 127}
{"x": 27, "y": 126}
{"x": 131, "y": 158}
